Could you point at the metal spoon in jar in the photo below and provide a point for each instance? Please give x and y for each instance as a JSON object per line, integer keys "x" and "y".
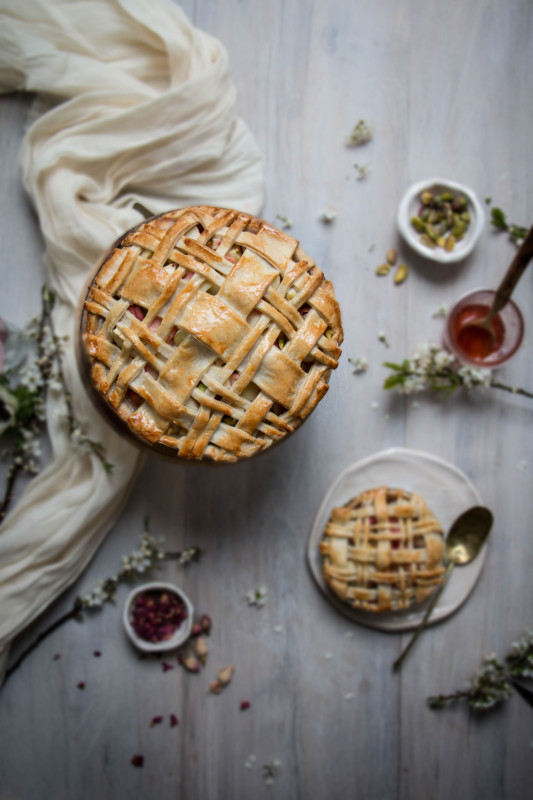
{"x": 483, "y": 325}
{"x": 463, "y": 543}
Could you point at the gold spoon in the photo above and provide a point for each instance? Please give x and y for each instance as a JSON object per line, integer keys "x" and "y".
{"x": 504, "y": 292}
{"x": 463, "y": 543}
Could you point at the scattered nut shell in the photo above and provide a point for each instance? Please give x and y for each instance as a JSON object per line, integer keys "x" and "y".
{"x": 383, "y": 269}
{"x": 401, "y": 274}
{"x": 392, "y": 256}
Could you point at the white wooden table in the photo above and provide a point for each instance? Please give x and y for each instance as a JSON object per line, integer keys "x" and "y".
{"x": 446, "y": 88}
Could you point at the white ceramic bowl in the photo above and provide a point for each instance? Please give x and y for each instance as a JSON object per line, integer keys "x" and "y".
{"x": 181, "y": 634}
{"x": 409, "y": 208}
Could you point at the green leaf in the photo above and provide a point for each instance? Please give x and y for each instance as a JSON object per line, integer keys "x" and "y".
{"x": 498, "y": 219}
{"x": 108, "y": 467}
{"x": 517, "y": 232}
{"x": 393, "y": 380}
{"x": 48, "y": 295}
{"x": 397, "y": 367}
{"x": 27, "y": 400}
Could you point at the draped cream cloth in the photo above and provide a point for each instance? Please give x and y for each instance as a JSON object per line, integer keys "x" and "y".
{"x": 133, "y": 104}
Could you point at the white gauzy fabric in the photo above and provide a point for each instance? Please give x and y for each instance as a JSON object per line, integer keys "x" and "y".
{"x": 133, "y": 104}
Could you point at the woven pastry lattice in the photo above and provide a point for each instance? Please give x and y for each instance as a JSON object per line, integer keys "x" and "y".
{"x": 383, "y": 551}
{"x": 211, "y": 333}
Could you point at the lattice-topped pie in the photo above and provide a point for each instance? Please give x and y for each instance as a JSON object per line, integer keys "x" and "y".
{"x": 210, "y": 333}
{"x": 383, "y": 551}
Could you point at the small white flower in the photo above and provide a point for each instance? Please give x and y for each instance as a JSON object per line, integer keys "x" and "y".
{"x": 328, "y": 656}
{"x": 360, "y": 365}
{"x": 374, "y": 405}
{"x": 55, "y": 384}
{"x": 475, "y": 377}
{"x": 271, "y": 771}
{"x": 361, "y": 134}
{"x": 257, "y": 597}
{"x": 441, "y": 311}
{"x": 285, "y": 221}
{"x": 139, "y": 562}
{"x": 522, "y": 465}
{"x": 349, "y": 696}
{"x": 31, "y": 378}
{"x": 443, "y": 359}
{"x": 278, "y": 629}
{"x": 250, "y": 761}
{"x": 328, "y": 216}
{"x": 382, "y": 337}
{"x": 81, "y": 442}
{"x": 96, "y": 598}
{"x": 363, "y": 171}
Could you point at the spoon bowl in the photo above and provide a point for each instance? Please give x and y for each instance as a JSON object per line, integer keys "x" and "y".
{"x": 464, "y": 541}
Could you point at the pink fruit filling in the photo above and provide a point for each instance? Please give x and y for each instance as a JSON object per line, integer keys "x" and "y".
{"x": 137, "y": 312}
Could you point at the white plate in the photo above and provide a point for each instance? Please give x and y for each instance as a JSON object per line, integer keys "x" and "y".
{"x": 447, "y": 491}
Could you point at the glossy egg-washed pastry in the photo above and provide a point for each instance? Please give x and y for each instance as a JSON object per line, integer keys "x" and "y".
{"x": 383, "y": 551}
{"x": 209, "y": 334}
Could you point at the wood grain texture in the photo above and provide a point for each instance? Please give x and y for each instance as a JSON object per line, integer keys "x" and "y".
{"x": 445, "y": 87}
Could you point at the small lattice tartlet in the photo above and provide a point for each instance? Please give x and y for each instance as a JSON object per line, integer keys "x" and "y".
{"x": 209, "y": 334}
{"x": 383, "y": 551}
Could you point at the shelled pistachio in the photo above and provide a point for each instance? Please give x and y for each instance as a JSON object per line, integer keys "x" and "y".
{"x": 442, "y": 219}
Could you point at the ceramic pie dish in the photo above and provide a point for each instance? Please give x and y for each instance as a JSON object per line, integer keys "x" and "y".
{"x": 208, "y": 335}
{"x": 447, "y": 491}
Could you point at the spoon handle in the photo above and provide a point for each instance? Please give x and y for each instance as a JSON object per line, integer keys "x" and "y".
{"x": 514, "y": 273}
{"x": 397, "y": 664}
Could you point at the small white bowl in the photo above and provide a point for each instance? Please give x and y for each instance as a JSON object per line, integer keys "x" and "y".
{"x": 181, "y": 634}
{"x": 409, "y": 208}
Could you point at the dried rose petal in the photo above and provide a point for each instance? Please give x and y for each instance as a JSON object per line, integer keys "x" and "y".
{"x": 196, "y": 629}
{"x": 57, "y": 655}
{"x": 97, "y": 654}
{"x": 156, "y": 615}
{"x": 166, "y": 666}
{"x": 137, "y": 761}
{"x": 215, "y": 687}
{"x": 81, "y": 685}
{"x": 156, "y": 721}
{"x": 245, "y": 705}
{"x": 174, "y": 721}
{"x": 205, "y": 622}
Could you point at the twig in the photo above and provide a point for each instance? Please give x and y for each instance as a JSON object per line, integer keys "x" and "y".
{"x": 512, "y": 389}
{"x": 74, "y": 611}
{"x": 13, "y": 472}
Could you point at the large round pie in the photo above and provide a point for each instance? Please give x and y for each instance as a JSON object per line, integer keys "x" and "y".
{"x": 383, "y": 551}
{"x": 209, "y": 334}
